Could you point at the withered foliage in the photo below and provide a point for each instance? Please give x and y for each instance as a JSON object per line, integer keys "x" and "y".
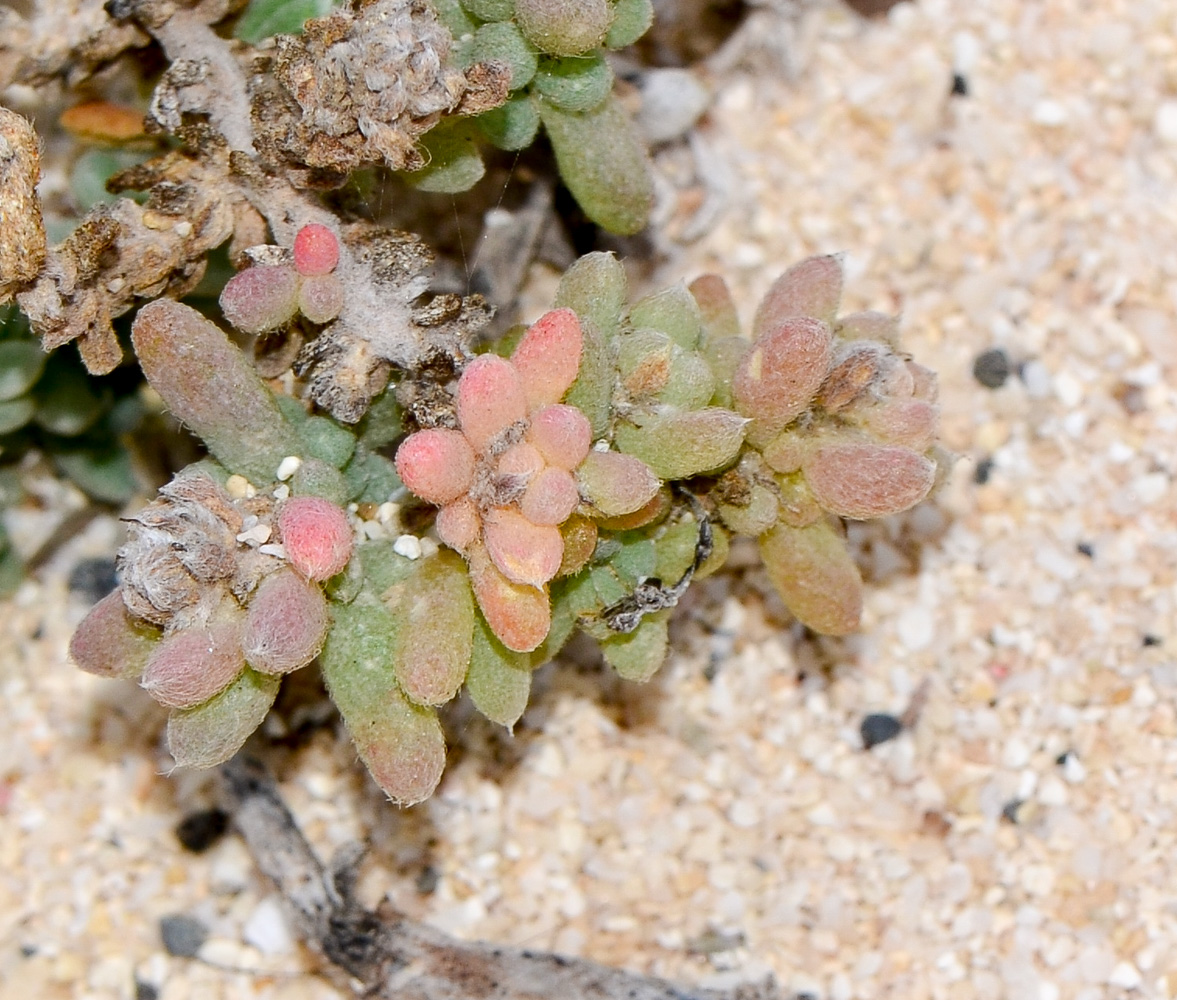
{"x": 261, "y": 128}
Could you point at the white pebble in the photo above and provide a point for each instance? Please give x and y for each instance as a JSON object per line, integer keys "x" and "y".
{"x": 231, "y": 869}
{"x": 267, "y": 929}
{"x": 744, "y": 813}
{"x": 1049, "y": 113}
{"x": 281, "y": 493}
{"x": 915, "y": 628}
{"x": 1036, "y": 378}
{"x": 288, "y": 467}
{"x": 239, "y": 488}
{"x": 1125, "y": 975}
{"x": 259, "y": 534}
{"x": 1164, "y": 122}
{"x": 275, "y": 549}
{"x": 1073, "y": 769}
{"x": 408, "y": 546}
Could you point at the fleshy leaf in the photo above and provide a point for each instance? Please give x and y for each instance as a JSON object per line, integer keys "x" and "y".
{"x": 286, "y": 623}
{"x": 458, "y": 524}
{"x": 320, "y": 297}
{"x": 191, "y": 666}
{"x": 595, "y": 287}
{"x": 631, "y": 20}
{"x": 616, "y": 484}
{"x": 685, "y": 443}
{"x": 604, "y": 163}
{"x": 592, "y": 392}
{"x": 550, "y": 498}
{"x": 401, "y": 743}
{"x": 561, "y": 434}
{"x": 436, "y": 616}
{"x": 813, "y": 572}
{"x": 21, "y": 364}
{"x": 576, "y": 84}
{"x": 511, "y": 126}
{"x": 519, "y": 615}
{"x": 455, "y": 164}
{"x": 675, "y": 312}
{"x": 210, "y": 386}
{"x": 211, "y": 733}
{"x": 317, "y": 536}
{"x": 491, "y": 398}
{"x": 862, "y": 481}
{"x": 637, "y": 655}
{"x": 548, "y": 357}
{"x": 499, "y": 681}
{"x": 110, "y": 642}
{"x": 316, "y": 250}
{"x": 524, "y": 552}
{"x": 504, "y": 42}
{"x": 261, "y": 298}
{"x": 778, "y": 378}
{"x": 564, "y": 27}
{"x": 437, "y": 464}
{"x": 811, "y": 288}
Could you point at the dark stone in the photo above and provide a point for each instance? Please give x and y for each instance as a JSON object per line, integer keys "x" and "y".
{"x": 427, "y": 879}
{"x": 1151, "y": 640}
{"x": 145, "y": 991}
{"x": 879, "y": 727}
{"x": 1009, "y": 812}
{"x": 182, "y": 935}
{"x": 93, "y": 579}
{"x": 1062, "y": 758}
{"x": 982, "y": 472}
{"x": 1085, "y": 549}
{"x": 198, "y": 831}
{"x": 960, "y": 86}
{"x": 991, "y": 368}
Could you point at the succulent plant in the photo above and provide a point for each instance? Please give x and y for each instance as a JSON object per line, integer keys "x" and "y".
{"x": 561, "y": 79}
{"x": 581, "y": 475}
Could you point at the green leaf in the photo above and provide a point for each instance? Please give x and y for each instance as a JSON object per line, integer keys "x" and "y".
{"x": 574, "y": 83}
{"x": 21, "y": 364}
{"x": 604, "y": 163}
{"x": 631, "y": 20}
{"x": 675, "y": 312}
{"x": 502, "y": 41}
{"x": 370, "y": 478}
{"x": 685, "y": 443}
{"x": 499, "y": 679}
{"x": 329, "y": 441}
{"x": 66, "y": 401}
{"x": 210, "y": 734}
{"x": 637, "y": 655}
{"x": 454, "y": 165}
{"x": 15, "y": 413}
{"x": 401, "y": 743}
{"x": 511, "y": 126}
{"x": 595, "y": 288}
{"x": 263, "y": 18}
{"x": 104, "y": 472}
{"x": 491, "y": 10}
{"x": 381, "y": 425}
{"x": 210, "y": 386}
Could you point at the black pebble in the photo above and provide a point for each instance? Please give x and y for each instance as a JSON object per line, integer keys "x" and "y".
{"x": 960, "y": 86}
{"x": 93, "y": 579}
{"x": 1150, "y": 640}
{"x": 427, "y": 879}
{"x": 879, "y": 727}
{"x": 1009, "y": 812}
{"x": 982, "y": 472}
{"x": 198, "y": 831}
{"x": 182, "y": 936}
{"x": 145, "y": 991}
{"x": 992, "y": 368}
{"x": 1086, "y": 549}
{"x": 1062, "y": 758}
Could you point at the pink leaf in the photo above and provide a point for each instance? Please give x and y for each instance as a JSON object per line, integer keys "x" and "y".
{"x": 519, "y": 615}
{"x": 551, "y": 498}
{"x": 189, "y": 667}
{"x": 615, "y": 483}
{"x": 562, "y": 434}
{"x": 286, "y": 623}
{"x": 524, "y": 552}
{"x": 548, "y": 356}
{"x": 458, "y": 524}
{"x": 260, "y": 298}
{"x": 316, "y": 535}
{"x": 109, "y": 642}
{"x": 436, "y": 464}
{"x": 490, "y": 399}
{"x": 811, "y": 288}
{"x": 862, "y": 481}
{"x": 321, "y": 297}
{"x": 316, "y": 250}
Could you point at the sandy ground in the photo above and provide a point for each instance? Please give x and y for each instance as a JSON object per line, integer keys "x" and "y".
{"x": 1018, "y": 842}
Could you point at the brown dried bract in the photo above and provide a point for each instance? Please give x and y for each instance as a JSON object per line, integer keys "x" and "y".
{"x": 22, "y": 231}
{"x": 123, "y": 252}
{"x": 362, "y": 86}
